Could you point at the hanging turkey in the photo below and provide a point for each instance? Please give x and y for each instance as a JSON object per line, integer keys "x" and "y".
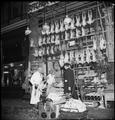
{"x": 84, "y": 19}
{"x": 48, "y": 40}
{"x": 47, "y": 50}
{"x": 76, "y": 56}
{"x": 66, "y": 35}
{"x": 61, "y": 60}
{"x": 93, "y": 38}
{"x": 78, "y": 24}
{"x": 40, "y": 52}
{"x": 32, "y": 43}
{"x": 78, "y": 32}
{"x": 56, "y": 27}
{"x": 73, "y": 24}
{"x": 71, "y": 34}
{"x": 48, "y": 31}
{"x": 40, "y": 41}
{"x": 52, "y": 27}
{"x": 84, "y": 57}
{"x": 57, "y": 41}
{"x": 36, "y": 53}
{"x": 43, "y": 50}
{"x": 83, "y": 31}
{"x": 63, "y": 46}
{"x": 93, "y": 55}
{"x": 71, "y": 56}
{"x": 102, "y": 42}
{"x": 87, "y": 55}
{"x": 80, "y": 59}
{"x": 44, "y": 40}
{"x": 90, "y": 17}
{"x": 66, "y": 58}
{"x": 61, "y": 25}
{"x": 52, "y": 39}
{"x": 52, "y": 50}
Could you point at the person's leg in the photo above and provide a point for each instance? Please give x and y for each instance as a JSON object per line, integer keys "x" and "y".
{"x": 65, "y": 88}
{"x": 5, "y": 80}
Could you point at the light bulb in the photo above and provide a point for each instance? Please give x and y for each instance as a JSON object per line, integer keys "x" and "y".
{"x": 12, "y": 64}
{"x": 67, "y": 20}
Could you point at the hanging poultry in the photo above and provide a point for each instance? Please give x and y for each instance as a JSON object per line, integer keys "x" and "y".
{"x": 52, "y": 28}
{"x": 61, "y": 25}
{"x": 78, "y": 24}
{"x": 66, "y": 58}
{"x": 61, "y": 60}
{"x": 90, "y": 17}
{"x": 40, "y": 41}
{"x": 84, "y": 19}
{"x": 56, "y": 27}
{"x": 72, "y": 24}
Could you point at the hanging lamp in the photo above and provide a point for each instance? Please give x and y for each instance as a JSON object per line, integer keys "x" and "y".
{"x": 67, "y": 19}
{"x": 45, "y": 26}
{"x": 27, "y": 31}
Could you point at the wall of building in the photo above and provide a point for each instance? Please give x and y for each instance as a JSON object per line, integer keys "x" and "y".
{"x": 13, "y": 26}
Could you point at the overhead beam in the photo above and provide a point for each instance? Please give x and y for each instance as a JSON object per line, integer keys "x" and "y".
{"x": 14, "y": 26}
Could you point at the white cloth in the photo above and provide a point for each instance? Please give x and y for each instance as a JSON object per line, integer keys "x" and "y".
{"x": 36, "y": 79}
{"x": 74, "y": 104}
{"x": 51, "y": 79}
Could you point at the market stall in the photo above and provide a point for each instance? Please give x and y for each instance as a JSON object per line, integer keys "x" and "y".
{"x": 79, "y": 33}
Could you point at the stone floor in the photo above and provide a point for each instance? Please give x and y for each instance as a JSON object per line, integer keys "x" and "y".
{"x": 20, "y": 109}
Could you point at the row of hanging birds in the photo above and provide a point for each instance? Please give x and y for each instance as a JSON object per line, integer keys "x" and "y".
{"x": 80, "y": 20}
{"x": 80, "y": 57}
{"x": 57, "y": 38}
{"x": 67, "y": 57}
{"x": 84, "y": 55}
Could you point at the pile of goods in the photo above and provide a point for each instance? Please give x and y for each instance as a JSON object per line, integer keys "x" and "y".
{"x": 73, "y": 105}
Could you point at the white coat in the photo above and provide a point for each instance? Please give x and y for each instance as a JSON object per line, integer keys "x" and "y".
{"x": 36, "y": 79}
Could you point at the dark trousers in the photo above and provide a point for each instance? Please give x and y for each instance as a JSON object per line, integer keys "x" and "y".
{"x": 66, "y": 88}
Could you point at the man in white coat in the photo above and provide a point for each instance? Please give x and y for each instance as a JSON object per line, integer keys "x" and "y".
{"x": 37, "y": 86}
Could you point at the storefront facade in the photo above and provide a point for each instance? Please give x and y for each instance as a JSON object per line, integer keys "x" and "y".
{"x": 87, "y": 42}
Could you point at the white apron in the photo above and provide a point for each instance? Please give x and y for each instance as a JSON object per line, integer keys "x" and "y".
{"x": 35, "y": 94}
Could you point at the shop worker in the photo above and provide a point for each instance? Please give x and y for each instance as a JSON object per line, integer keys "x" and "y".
{"x": 37, "y": 85}
{"x": 68, "y": 79}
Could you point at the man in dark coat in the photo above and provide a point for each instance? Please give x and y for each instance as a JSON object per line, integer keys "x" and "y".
{"x": 68, "y": 79}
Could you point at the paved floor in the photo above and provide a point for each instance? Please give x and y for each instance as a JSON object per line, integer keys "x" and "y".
{"x": 20, "y": 109}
